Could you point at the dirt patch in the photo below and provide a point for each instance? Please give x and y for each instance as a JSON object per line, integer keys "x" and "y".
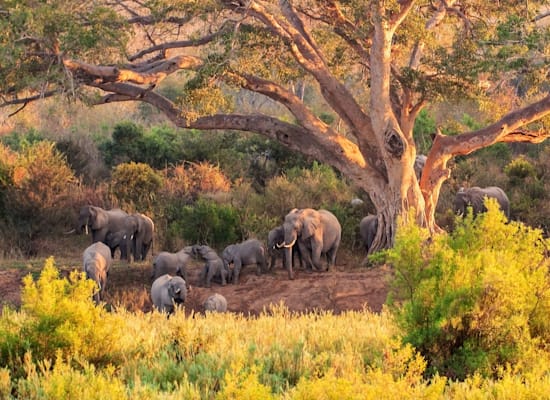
{"x": 345, "y": 288}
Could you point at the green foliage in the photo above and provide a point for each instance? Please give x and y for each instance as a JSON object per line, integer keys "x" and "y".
{"x": 424, "y": 127}
{"x": 19, "y": 141}
{"x": 519, "y": 169}
{"x": 207, "y": 222}
{"x": 473, "y": 300}
{"x": 317, "y": 187}
{"x": 135, "y": 185}
{"x": 59, "y": 319}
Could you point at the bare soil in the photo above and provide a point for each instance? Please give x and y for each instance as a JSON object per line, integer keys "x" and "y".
{"x": 346, "y": 287}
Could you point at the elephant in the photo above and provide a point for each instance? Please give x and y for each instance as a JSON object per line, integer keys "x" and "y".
{"x": 142, "y": 241}
{"x": 167, "y": 291}
{"x": 97, "y": 261}
{"x": 316, "y": 232}
{"x": 136, "y": 237}
{"x": 475, "y": 196}
{"x": 172, "y": 263}
{"x": 117, "y": 240}
{"x": 214, "y": 267}
{"x": 419, "y": 163}
{"x": 215, "y": 303}
{"x": 249, "y": 252}
{"x": 367, "y": 229}
{"x": 101, "y": 221}
{"x": 275, "y": 240}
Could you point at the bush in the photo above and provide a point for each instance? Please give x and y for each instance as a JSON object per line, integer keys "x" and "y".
{"x": 36, "y": 189}
{"x": 135, "y": 186}
{"x": 207, "y": 222}
{"x": 473, "y": 301}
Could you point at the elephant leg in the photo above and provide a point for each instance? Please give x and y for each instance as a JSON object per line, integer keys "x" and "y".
{"x": 307, "y": 263}
{"x": 203, "y": 275}
{"x": 223, "y": 273}
{"x": 316, "y": 249}
{"x": 210, "y": 275}
{"x": 236, "y": 272}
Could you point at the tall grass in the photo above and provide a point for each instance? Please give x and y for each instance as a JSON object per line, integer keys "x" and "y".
{"x": 60, "y": 345}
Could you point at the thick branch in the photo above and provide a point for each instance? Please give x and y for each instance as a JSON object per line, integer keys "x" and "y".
{"x": 114, "y": 74}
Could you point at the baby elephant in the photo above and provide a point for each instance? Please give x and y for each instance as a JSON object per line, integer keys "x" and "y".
{"x": 96, "y": 264}
{"x": 215, "y": 303}
{"x": 172, "y": 263}
{"x": 251, "y": 251}
{"x": 167, "y": 291}
{"x": 214, "y": 267}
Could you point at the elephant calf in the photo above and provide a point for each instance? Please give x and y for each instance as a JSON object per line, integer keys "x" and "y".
{"x": 215, "y": 303}
{"x": 249, "y": 252}
{"x": 172, "y": 263}
{"x": 167, "y": 291}
{"x": 214, "y": 267}
{"x": 97, "y": 261}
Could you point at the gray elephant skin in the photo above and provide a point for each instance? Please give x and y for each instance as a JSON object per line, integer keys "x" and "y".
{"x": 316, "y": 232}
{"x": 174, "y": 264}
{"x": 367, "y": 229}
{"x": 167, "y": 291}
{"x": 138, "y": 230}
{"x": 96, "y": 263}
{"x": 117, "y": 240}
{"x": 418, "y": 166}
{"x": 215, "y": 303}
{"x": 135, "y": 239}
{"x": 475, "y": 197}
{"x": 100, "y": 221}
{"x": 249, "y": 252}
{"x": 214, "y": 267}
{"x": 275, "y": 249}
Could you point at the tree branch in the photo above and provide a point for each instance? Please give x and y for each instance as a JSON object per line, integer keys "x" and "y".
{"x": 183, "y": 43}
{"x": 99, "y": 73}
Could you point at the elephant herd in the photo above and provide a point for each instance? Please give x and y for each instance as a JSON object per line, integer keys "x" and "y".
{"x": 311, "y": 235}
{"x": 466, "y": 198}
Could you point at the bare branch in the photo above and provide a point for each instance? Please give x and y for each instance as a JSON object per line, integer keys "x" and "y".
{"x": 182, "y": 43}
{"x": 114, "y": 74}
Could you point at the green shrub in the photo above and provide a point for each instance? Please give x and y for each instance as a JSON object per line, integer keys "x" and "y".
{"x": 519, "y": 169}
{"x": 135, "y": 186}
{"x": 473, "y": 301}
{"x": 207, "y": 222}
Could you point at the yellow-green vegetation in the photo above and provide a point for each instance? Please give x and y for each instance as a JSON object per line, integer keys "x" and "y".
{"x": 476, "y": 300}
{"x": 468, "y": 319}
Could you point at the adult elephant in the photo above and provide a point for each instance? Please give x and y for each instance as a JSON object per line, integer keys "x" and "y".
{"x": 316, "y": 232}
{"x": 475, "y": 197}
{"x": 100, "y": 221}
{"x": 140, "y": 230}
{"x": 367, "y": 230}
{"x": 275, "y": 249}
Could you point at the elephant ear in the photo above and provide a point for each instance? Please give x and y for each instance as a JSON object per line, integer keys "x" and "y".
{"x": 311, "y": 222}
{"x": 98, "y": 218}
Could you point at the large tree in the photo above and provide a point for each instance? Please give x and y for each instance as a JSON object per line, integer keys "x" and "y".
{"x": 375, "y": 64}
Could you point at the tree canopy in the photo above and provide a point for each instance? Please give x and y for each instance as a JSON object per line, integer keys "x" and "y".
{"x": 374, "y": 65}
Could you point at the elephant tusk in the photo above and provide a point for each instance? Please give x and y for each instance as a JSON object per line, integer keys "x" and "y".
{"x": 290, "y": 244}
{"x": 69, "y": 232}
{"x": 86, "y": 229}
